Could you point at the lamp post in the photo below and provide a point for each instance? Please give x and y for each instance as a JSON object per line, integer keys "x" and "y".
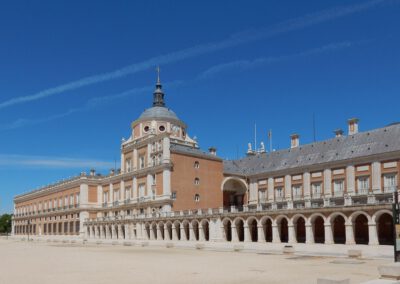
{"x": 396, "y": 225}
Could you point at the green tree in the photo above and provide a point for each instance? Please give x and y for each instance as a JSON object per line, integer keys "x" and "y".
{"x": 5, "y": 223}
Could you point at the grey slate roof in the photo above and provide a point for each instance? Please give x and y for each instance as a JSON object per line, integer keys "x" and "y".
{"x": 158, "y": 113}
{"x": 377, "y": 141}
{"x": 192, "y": 151}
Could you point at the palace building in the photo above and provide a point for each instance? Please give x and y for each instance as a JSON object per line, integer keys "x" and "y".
{"x": 337, "y": 191}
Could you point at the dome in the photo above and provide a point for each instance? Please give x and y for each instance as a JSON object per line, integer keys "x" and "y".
{"x": 158, "y": 113}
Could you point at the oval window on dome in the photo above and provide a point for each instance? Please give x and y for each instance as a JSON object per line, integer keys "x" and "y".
{"x": 162, "y": 128}
{"x": 146, "y": 129}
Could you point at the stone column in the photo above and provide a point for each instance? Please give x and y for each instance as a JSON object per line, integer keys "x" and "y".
{"x": 327, "y": 190}
{"x": 134, "y": 188}
{"x": 149, "y": 184}
{"x": 349, "y": 233}
{"x": 108, "y": 236}
{"x": 101, "y": 232}
{"x": 373, "y": 234}
{"x": 135, "y": 159}
{"x": 328, "y": 233}
{"x": 122, "y": 162}
{"x": 97, "y": 232}
{"x": 292, "y": 233}
{"x": 376, "y": 177}
{"x": 288, "y": 187}
{"x": 260, "y": 234}
{"x": 174, "y": 233}
{"x": 271, "y": 195}
{"x": 309, "y": 234}
{"x": 131, "y": 232}
{"x": 183, "y": 234}
{"x": 234, "y": 234}
{"x": 111, "y": 192}
{"x": 306, "y": 184}
{"x": 148, "y": 157}
{"x": 192, "y": 237}
{"x": 122, "y": 190}
{"x": 201, "y": 233}
{"x": 166, "y": 182}
{"x": 350, "y": 180}
{"x": 275, "y": 233}
{"x": 166, "y": 150}
{"x": 120, "y": 233}
{"x": 152, "y": 236}
{"x": 166, "y": 234}
{"x": 159, "y": 234}
{"x": 127, "y": 231}
{"x": 113, "y": 232}
{"x": 247, "y": 235}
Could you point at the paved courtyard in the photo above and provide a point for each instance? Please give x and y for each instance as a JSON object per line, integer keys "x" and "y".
{"x": 34, "y": 262}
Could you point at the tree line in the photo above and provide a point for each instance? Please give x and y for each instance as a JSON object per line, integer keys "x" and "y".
{"x": 5, "y": 223}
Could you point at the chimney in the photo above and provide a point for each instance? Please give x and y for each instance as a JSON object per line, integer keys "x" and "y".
{"x": 92, "y": 172}
{"x": 338, "y": 132}
{"x": 112, "y": 172}
{"x": 294, "y": 140}
{"x": 353, "y": 126}
{"x": 213, "y": 151}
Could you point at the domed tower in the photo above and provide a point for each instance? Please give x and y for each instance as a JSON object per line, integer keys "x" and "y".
{"x": 159, "y": 119}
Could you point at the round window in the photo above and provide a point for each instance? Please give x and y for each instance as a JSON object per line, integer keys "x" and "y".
{"x": 146, "y": 129}
{"x": 162, "y": 128}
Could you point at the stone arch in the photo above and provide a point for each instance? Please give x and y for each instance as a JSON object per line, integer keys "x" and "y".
{"x": 205, "y": 229}
{"x": 360, "y": 221}
{"x": 234, "y": 190}
{"x": 239, "y": 225}
{"x": 317, "y": 222}
{"x": 283, "y": 227}
{"x": 186, "y": 230}
{"x": 338, "y": 224}
{"x": 299, "y": 223}
{"x": 384, "y": 226}
{"x": 266, "y": 223}
{"x": 252, "y": 226}
{"x": 196, "y": 230}
{"x": 227, "y": 225}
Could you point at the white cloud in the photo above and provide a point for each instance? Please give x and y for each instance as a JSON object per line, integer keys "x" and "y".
{"x": 234, "y": 40}
{"x": 244, "y": 64}
{"x": 51, "y": 162}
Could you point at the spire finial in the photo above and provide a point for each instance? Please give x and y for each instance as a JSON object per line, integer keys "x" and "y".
{"x": 158, "y": 74}
{"x": 158, "y": 93}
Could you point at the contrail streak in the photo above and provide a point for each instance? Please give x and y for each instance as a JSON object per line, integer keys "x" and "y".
{"x": 234, "y": 40}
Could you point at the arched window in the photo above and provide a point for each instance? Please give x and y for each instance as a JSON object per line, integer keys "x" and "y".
{"x": 196, "y": 197}
{"x": 196, "y": 165}
{"x": 196, "y": 181}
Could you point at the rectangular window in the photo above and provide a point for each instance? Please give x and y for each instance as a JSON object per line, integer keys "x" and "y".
{"x": 77, "y": 198}
{"x": 262, "y": 196}
{"x": 173, "y": 195}
{"x": 127, "y": 193}
{"x": 128, "y": 165}
{"x": 338, "y": 187}
{"x": 141, "y": 162}
{"x": 389, "y": 182}
{"x": 363, "y": 185}
{"x": 296, "y": 190}
{"x": 316, "y": 190}
{"x": 279, "y": 192}
{"x": 141, "y": 190}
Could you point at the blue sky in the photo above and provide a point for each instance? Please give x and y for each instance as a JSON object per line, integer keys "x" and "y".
{"x": 74, "y": 74}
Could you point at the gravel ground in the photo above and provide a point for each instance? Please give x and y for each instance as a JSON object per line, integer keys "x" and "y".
{"x": 34, "y": 263}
